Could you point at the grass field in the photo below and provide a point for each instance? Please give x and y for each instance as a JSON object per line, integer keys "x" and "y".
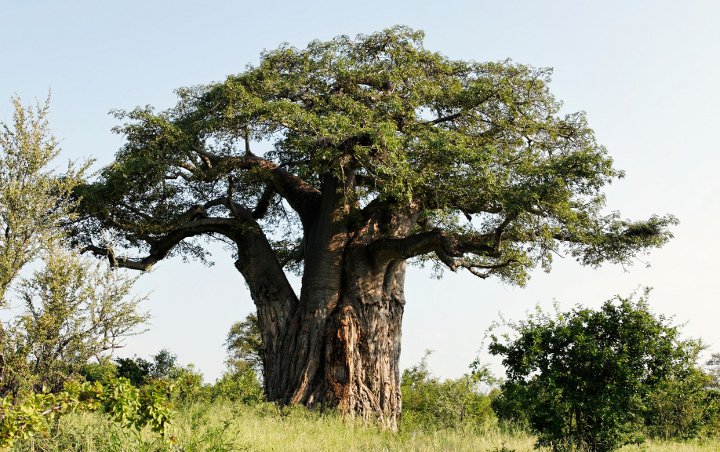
{"x": 228, "y": 426}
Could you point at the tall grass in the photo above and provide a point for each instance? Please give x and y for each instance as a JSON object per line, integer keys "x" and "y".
{"x": 227, "y": 426}
{"x": 231, "y": 426}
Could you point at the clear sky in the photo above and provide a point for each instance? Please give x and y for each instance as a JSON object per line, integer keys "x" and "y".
{"x": 646, "y": 72}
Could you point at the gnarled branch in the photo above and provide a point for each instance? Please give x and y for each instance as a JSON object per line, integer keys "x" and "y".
{"x": 302, "y": 197}
{"x": 160, "y": 247}
{"x": 448, "y": 247}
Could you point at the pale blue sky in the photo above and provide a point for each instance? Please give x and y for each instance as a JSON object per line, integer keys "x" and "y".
{"x": 646, "y": 72}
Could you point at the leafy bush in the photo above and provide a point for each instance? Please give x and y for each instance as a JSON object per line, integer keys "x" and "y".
{"x": 102, "y": 371}
{"x": 74, "y": 310}
{"x": 591, "y": 379}
{"x": 187, "y": 384}
{"x": 70, "y": 308}
{"x": 137, "y": 370}
{"x": 684, "y": 406}
{"x": 430, "y": 404}
{"x": 238, "y": 385}
{"x": 35, "y": 414}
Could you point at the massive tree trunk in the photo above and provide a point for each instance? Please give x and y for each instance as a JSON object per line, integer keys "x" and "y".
{"x": 338, "y": 345}
{"x": 344, "y": 353}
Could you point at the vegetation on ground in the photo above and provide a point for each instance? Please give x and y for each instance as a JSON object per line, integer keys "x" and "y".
{"x": 229, "y": 426}
{"x": 599, "y": 379}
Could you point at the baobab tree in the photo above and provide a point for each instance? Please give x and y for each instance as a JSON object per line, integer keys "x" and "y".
{"x": 378, "y": 152}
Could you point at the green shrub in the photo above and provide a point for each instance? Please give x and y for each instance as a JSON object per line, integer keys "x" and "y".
{"x": 682, "y": 407}
{"x": 136, "y": 370}
{"x": 102, "y": 371}
{"x": 241, "y": 385}
{"x": 187, "y": 384}
{"x": 591, "y": 379}
{"x": 431, "y": 404}
{"x": 36, "y": 413}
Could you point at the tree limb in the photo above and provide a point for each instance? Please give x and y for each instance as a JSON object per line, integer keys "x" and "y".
{"x": 448, "y": 247}
{"x": 159, "y": 248}
{"x": 302, "y": 197}
{"x": 263, "y": 203}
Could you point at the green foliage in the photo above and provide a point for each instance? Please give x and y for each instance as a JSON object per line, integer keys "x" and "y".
{"x": 430, "y": 404}
{"x": 163, "y": 364}
{"x": 136, "y": 370}
{"x": 242, "y": 381}
{"x": 33, "y": 415}
{"x": 714, "y": 369}
{"x": 140, "y": 371}
{"x": 478, "y": 151}
{"x": 71, "y": 309}
{"x": 75, "y": 309}
{"x": 587, "y": 378}
{"x": 34, "y": 202}
{"x": 244, "y": 345}
{"x": 187, "y": 385}
{"x": 186, "y": 382}
{"x": 238, "y": 385}
{"x": 102, "y": 371}
{"x": 684, "y": 406}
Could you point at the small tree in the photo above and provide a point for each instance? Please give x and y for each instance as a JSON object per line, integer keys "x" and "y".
{"x": 685, "y": 406}
{"x": 74, "y": 309}
{"x": 244, "y": 345}
{"x": 34, "y": 202}
{"x": 582, "y": 378}
{"x": 137, "y": 370}
{"x": 163, "y": 365}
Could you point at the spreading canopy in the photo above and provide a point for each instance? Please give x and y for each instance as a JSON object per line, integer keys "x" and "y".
{"x": 477, "y": 155}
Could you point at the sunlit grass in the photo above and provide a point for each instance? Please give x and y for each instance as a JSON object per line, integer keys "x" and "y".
{"x": 712, "y": 445}
{"x": 226, "y": 426}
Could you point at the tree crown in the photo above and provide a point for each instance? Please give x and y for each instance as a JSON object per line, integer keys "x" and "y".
{"x": 474, "y": 158}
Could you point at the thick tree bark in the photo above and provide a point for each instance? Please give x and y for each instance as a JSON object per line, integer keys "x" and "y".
{"x": 340, "y": 344}
{"x": 346, "y": 354}
{"x": 362, "y": 348}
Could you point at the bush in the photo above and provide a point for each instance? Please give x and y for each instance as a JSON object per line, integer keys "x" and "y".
{"x": 135, "y": 369}
{"x": 101, "y": 372}
{"x": 74, "y": 309}
{"x": 430, "y": 404}
{"x": 238, "y": 386}
{"x": 593, "y": 379}
{"x": 186, "y": 382}
{"x": 187, "y": 385}
{"x": 684, "y": 406}
{"x": 35, "y": 414}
